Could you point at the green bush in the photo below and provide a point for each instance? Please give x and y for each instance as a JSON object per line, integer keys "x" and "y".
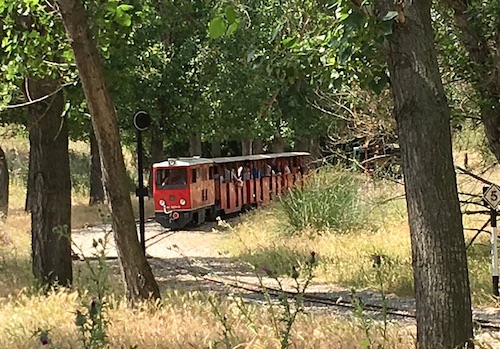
{"x": 329, "y": 200}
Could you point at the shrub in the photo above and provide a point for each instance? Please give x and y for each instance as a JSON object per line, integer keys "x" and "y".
{"x": 330, "y": 199}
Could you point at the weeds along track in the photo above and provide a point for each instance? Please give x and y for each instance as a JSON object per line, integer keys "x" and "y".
{"x": 191, "y": 264}
{"x": 312, "y": 300}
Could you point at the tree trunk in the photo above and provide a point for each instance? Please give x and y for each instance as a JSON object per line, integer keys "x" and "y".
{"x": 486, "y": 77}
{"x": 444, "y": 318}
{"x": 491, "y": 121}
{"x": 195, "y": 145}
{"x": 258, "y": 146}
{"x": 4, "y": 185}
{"x": 315, "y": 149}
{"x": 157, "y": 154}
{"x": 96, "y": 185}
{"x": 50, "y": 197}
{"x": 138, "y": 277}
{"x": 278, "y": 144}
{"x": 246, "y": 147}
{"x": 216, "y": 149}
{"x": 302, "y": 144}
{"x": 29, "y": 185}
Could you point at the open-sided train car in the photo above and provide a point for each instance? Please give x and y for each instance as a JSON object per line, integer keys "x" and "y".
{"x": 192, "y": 190}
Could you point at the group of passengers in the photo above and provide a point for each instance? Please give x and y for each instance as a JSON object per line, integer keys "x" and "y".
{"x": 246, "y": 171}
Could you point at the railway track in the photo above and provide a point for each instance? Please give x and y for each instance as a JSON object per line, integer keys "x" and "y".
{"x": 337, "y": 302}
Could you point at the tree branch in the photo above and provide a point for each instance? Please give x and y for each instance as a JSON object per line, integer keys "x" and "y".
{"x": 34, "y": 101}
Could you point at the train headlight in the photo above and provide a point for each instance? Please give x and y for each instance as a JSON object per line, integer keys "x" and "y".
{"x": 182, "y": 202}
{"x": 175, "y": 215}
{"x": 162, "y": 203}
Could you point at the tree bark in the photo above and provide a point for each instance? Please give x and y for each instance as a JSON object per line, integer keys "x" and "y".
{"x": 216, "y": 149}
{"x": 302, "y": 144}
{"x": 315, "y": 149}
{"x": 96, "y": 186}
{"x": 278, "y": 144}
{"x": 29, "y": 185}
{"x": 246, "y": 147}
{"x": 258, "y": 146}
{"x": 138, "y": 277}
{"x": 444, "y": 317}
{"x": 50, "y": 197}
{"x": 4, "y": 185}
{"x": 195, "y": 145}
{"x": 486, "y": 78}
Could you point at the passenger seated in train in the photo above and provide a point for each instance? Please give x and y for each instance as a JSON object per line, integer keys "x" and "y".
{"x": 257, "y": 172}
{"x": 286, "y": 169}
{"x": 227, "y": 175}
{"x": 247, "y": 174}
{"x": 275, "y": 168}
{"x": 174, "y": 178}
{"x": 269, "y": 170}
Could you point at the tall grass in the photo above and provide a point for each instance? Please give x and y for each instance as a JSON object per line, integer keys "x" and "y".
{"x": 330, "y": 199}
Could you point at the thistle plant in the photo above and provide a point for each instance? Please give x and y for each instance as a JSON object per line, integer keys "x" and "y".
{"x": 367, "y": 323}
{"x": 285, "y": 314}
{"x": 90, "y": 320}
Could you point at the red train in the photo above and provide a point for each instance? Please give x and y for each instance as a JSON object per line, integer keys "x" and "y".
{"x": 192, "y": 190}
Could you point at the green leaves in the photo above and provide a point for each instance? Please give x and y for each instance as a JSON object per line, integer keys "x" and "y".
{"x": 230, "y": 15}
{"x": 119, "y": 12}
{"x": 122, "y": 17}
{"x": 224, "y": 24}
{"x": 217, "y": 27}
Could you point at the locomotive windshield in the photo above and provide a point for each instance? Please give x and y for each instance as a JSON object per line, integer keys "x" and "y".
{"x": 174, "y": 178}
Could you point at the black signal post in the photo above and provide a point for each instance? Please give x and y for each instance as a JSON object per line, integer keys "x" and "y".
{"x": 141, "y": 123}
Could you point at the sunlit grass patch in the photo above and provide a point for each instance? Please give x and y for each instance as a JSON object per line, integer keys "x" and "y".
{"x": 15, "y": 261}
{"x": 185, "y": 320}
{"x": 345, "y": 259}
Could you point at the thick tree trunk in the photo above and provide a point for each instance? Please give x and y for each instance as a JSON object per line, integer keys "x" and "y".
{"x": 258, "y": 146}
{"x": 51, "y": 187}
{"x": 486, "y": 78}
{"x": 302, "y": 144}
{"x": 139, "y": 279}
{"x": 490, "y": 116}
{"x": 246, "y": 147}
{"x": 444, "y": 318}
{"x": 216, "y": 149}
{"x": 278, "y": 144}
{"x": 195, "y": 145}
{"x": 4, "y": 185}
{"x": 29, "y": 185}
{"x": 315, "y": 149}
{"x": 96, "y": 186}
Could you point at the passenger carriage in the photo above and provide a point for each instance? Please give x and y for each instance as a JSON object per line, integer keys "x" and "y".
{"x": 193, "y": 190}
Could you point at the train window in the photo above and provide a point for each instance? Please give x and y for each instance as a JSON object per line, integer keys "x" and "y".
{"x": 175, "y": 178}
{"x": 211, "y": 172}
{"x": 195, "y": 173}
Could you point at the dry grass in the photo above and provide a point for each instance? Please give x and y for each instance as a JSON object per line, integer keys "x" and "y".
{"x": 344, "y": 259}
{"x": 181, "y": 321}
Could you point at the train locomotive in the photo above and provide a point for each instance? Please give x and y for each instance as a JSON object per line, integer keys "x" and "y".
{"x": 190, "y": 191}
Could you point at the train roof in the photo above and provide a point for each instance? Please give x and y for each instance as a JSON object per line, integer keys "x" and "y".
{"x": 256, "y": 157}
{"x": 185, "y": 162}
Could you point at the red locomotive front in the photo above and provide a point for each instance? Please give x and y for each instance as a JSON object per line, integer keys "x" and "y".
{"x": 181, "y": 191}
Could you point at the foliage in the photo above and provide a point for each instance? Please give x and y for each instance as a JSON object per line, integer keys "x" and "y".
{"x": 329, "y": 200}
